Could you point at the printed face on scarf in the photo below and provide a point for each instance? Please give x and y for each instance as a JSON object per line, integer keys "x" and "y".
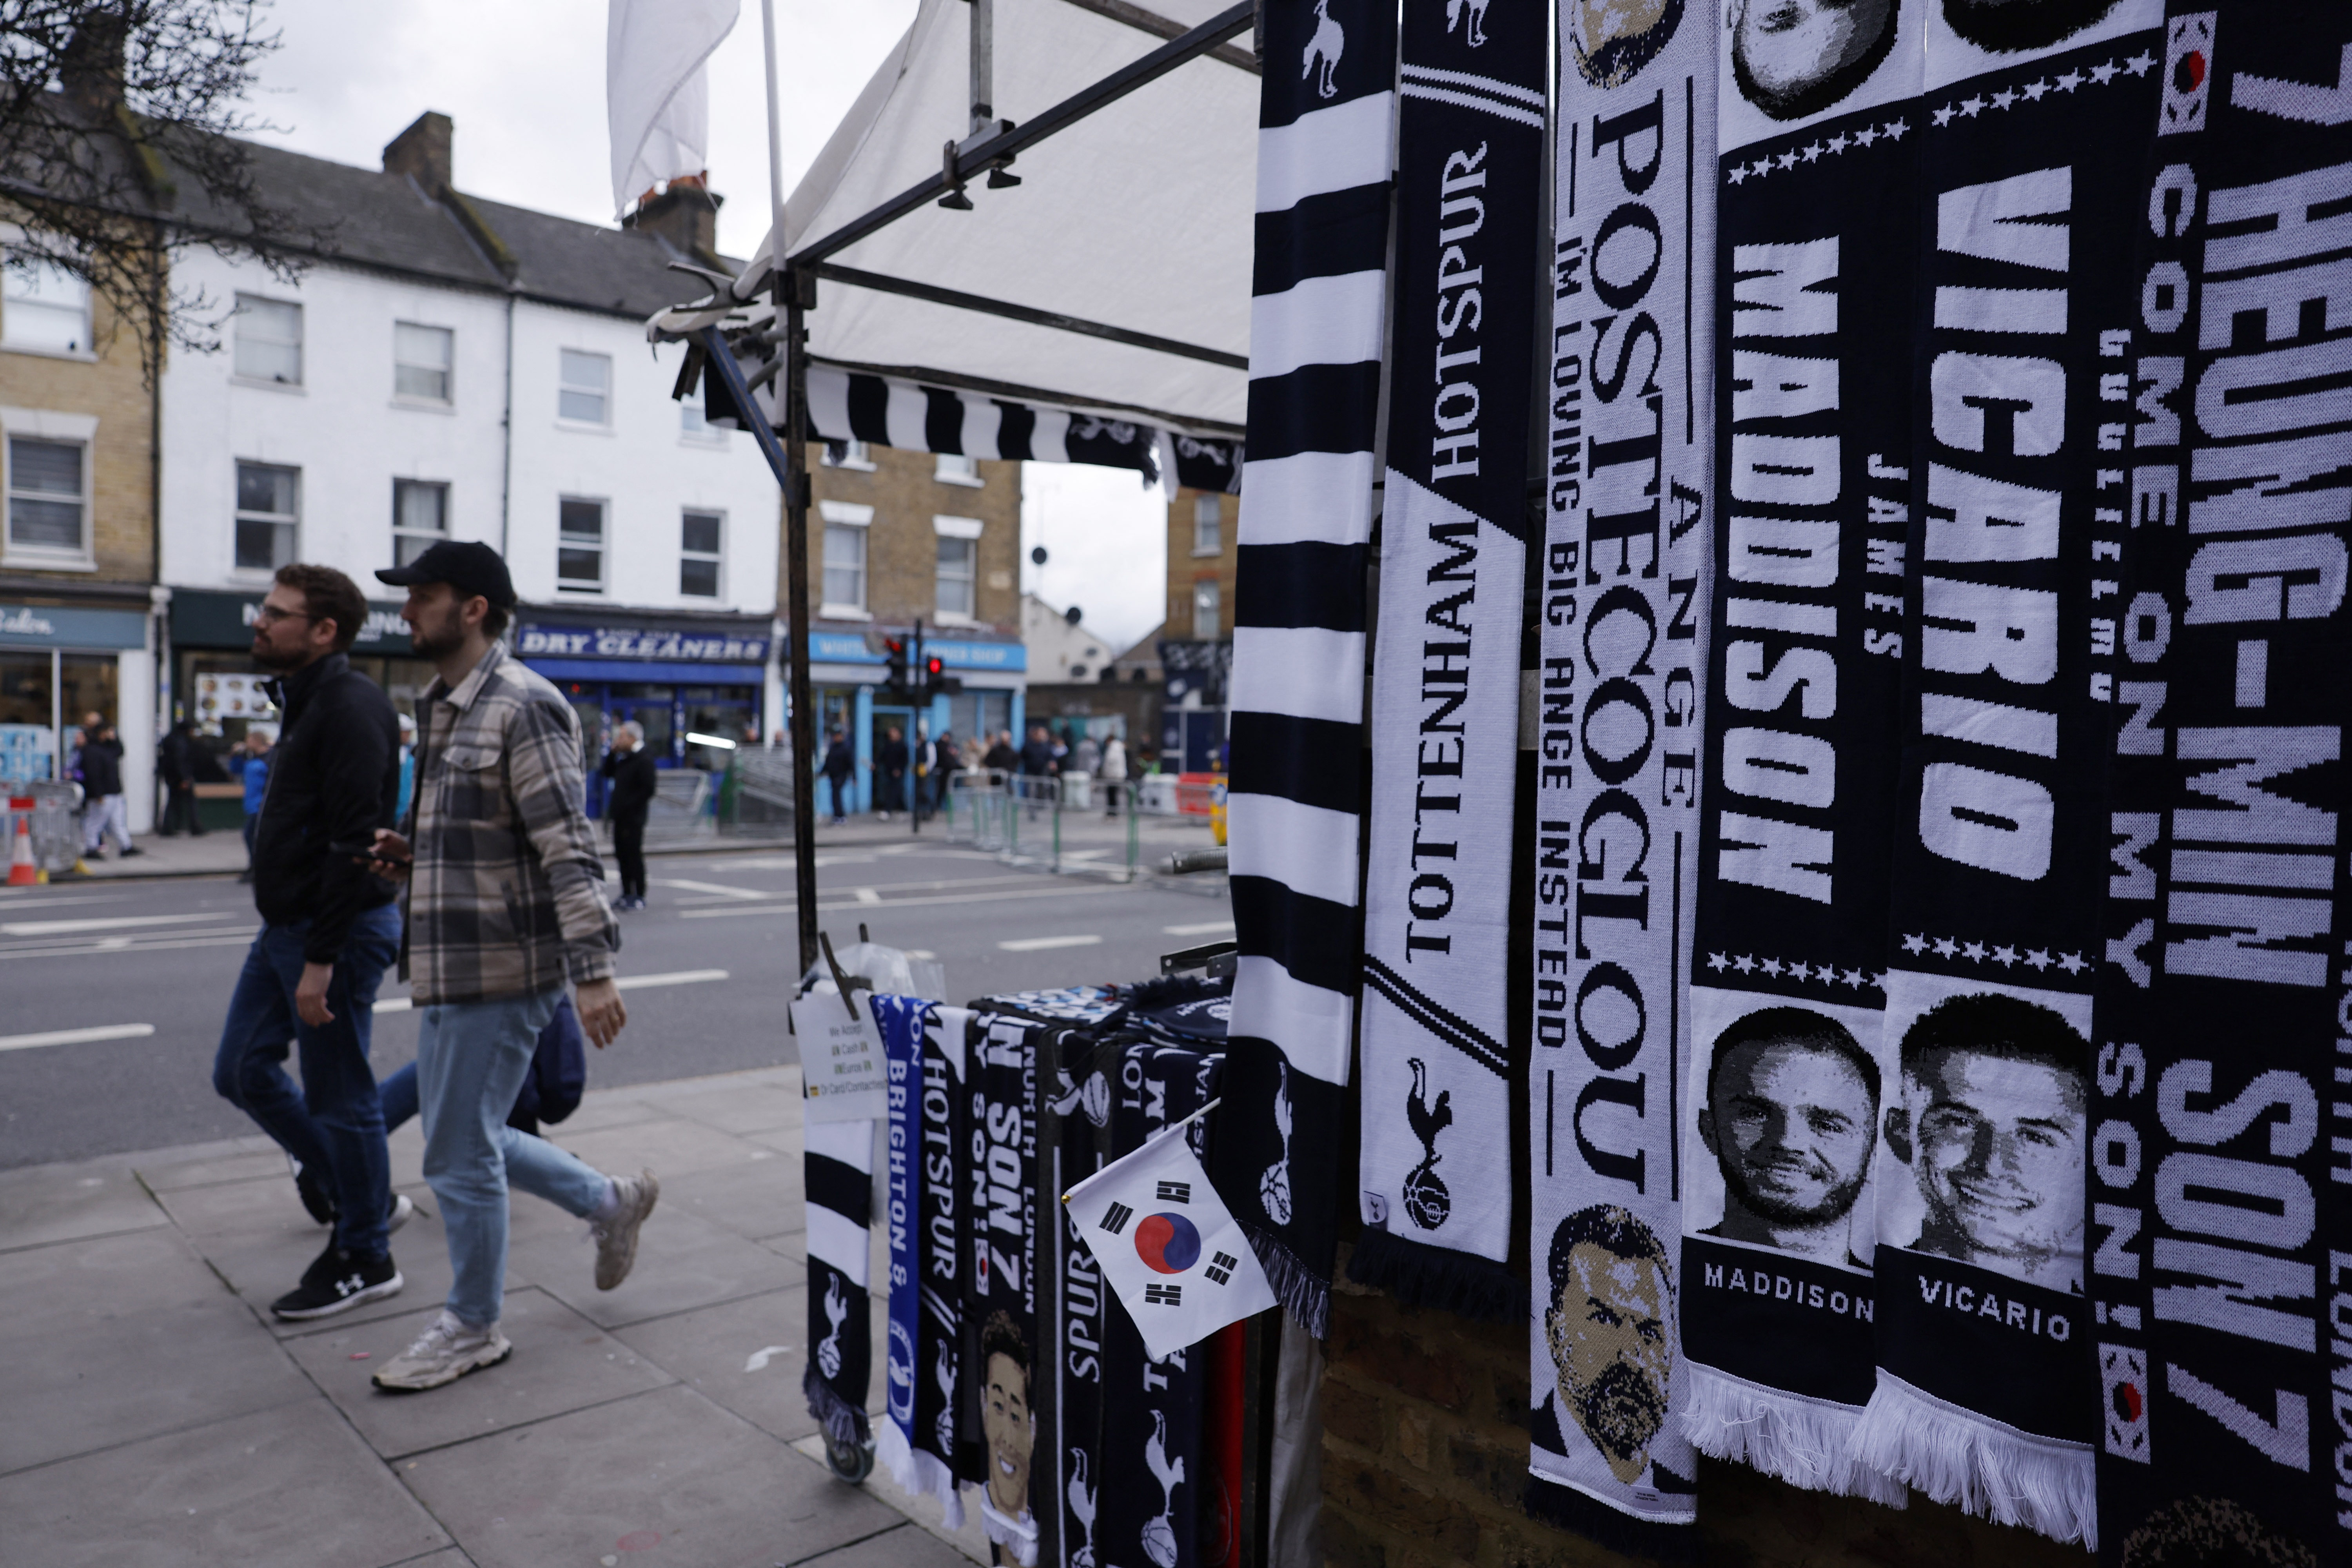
{"x": 1993, "y": 1124}
{"x": 2011, "y": 24}
{"x": 1609, "y": 1325}
{"x": 1613, "y": 39}
{"x": 1795, "y": 57}
{"x": 1792, "y": 1119}
{"x": 1005, "y": 1422}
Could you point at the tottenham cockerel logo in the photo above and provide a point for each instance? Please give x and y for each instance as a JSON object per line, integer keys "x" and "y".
{"x": 1425, "y": 1197}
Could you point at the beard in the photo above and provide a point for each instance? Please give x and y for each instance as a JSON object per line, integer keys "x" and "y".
{"x": 437, "y": 638}
{"x": 269, "y": 656}
{"x": 1833, "y": 1203}
{"x": 1621, "y": 1410}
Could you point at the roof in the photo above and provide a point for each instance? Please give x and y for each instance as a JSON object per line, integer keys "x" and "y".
{"x": 372, "y": 219}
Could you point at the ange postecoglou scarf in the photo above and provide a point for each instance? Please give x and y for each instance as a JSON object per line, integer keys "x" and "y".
{"x": 1437, "y": 1097}
{"x": 1815, "y": 246}
{"x": 1623, "y": 572}
{"x": 1317, "y": 317}
{"x": 2221, "y": 1230}
{"x": 2036, "y": 121}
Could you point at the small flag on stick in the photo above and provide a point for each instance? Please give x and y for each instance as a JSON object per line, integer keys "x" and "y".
{"x": 1173, "y": 1256}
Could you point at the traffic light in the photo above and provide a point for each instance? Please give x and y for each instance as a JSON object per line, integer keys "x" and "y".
{"x": 937, "y": 682}
{"x": 895, "y": 658}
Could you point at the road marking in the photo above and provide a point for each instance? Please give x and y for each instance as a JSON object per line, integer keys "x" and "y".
{"x": 900, "y": 903}
{"x": 76, "y": 1036}
{"x": 85, "y": 950}
{"x": 1040, "y": 943}
{"x": 625, "y": 983}
{"x": 116, "y": 922}
{"x": 721, "y": 888}
{"x": 920, "y": 952}
{"x": 865, "y": 894}
{"x": 1204, "y": 928}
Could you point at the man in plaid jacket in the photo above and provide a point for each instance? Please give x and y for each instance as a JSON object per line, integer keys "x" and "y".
{"x": 505, "y": 903}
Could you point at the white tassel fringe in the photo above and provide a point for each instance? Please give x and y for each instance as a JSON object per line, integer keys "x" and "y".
{"x": 1989, "y": 1468}
{"x": 918, "y": 1474}
{"x": 1806, "y": 1442}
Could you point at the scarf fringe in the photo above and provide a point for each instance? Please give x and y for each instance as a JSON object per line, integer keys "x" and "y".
{"x": 1570, "y": 1509}
{"x": 843, "y": 1422}
{"x": 1421, "y": 1276}
{"x": 1304, "y": 1294}
{"x": 918, "y": 1474}
{"x": 1806, "y": 1443}
{"x": 1989, "y": 1469}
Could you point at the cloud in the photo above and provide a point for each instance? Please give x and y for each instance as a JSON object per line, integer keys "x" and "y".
{"x": 1105, "y": 539}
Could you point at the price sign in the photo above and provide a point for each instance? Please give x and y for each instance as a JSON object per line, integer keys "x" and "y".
{"x": 840, "y": 1060}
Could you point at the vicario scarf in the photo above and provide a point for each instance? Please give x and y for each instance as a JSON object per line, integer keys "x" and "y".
{"x": 1815, "y": 252}
{"x": 1622, "y": 589}
{"x": 1319, "y": 308}
{"x": 2219, "y": 1220}
{"x": 1437, "y": 1070}
{"x": 2029, "y": 161}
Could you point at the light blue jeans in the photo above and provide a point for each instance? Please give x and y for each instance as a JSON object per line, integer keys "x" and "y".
{"x": 470, "y": 1061}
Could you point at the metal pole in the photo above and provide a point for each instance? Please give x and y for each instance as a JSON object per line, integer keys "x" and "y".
{"x": 983, "y": 63}
{"x": 915, "y": 779}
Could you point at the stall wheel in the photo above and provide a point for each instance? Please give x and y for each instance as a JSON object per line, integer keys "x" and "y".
{"x": 852, "y": 1462}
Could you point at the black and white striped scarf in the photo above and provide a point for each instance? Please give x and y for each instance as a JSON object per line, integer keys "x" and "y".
{"x": 1436, "y": 1085}
{"x": 1297, "y": 706}
{"x": 837, "y": 1165}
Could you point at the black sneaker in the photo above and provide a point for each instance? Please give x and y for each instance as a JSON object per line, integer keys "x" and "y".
{"x": 337, "y": 1283}
{"x": 317, "y": 1197}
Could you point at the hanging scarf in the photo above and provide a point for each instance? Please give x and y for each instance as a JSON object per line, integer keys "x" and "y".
{"x": 2030, "y": 160}
{"x": 1437, "y": 1099}
{"x": 2218, "y": 1221}
{"x": 1622, "y": 589}
{"x": 1815, "y": 247}
{"x": 1000, "y": 1315}
{"x": 1077, "y": 1109}
{"x": 837, "y": 1170}
{"x": 918, "y": 1151}
{"x": 928, "y": 1298}
{"x": 1295, "y": 709}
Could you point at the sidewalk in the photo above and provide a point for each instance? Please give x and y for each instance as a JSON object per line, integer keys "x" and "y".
{"x": 157, "y": 1414}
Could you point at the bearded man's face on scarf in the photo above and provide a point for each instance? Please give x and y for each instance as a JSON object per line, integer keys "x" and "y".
{"x": 1609, "y": 1343}
{"x": 1999, "y": 1158}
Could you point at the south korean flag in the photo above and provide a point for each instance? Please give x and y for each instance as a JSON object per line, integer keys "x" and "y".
{"x": 1173, "y": 1253}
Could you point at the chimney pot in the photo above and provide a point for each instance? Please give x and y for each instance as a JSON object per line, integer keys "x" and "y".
{"x": 686, "y": 215}
{"x": 421, "y": 153}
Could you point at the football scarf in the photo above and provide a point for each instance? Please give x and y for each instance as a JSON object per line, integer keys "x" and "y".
{"x": 1815, "y": 243}
{"x": 1622, "y": 586}
{"x": 1436, "y": 1096}
{"x": 1316, "y": 316}
{"x": 1077, "y": 1109}
{"x": 837, "y": 1168}
{"x": 2030, "y": 160}
{"x": 2219, "y": 1229}
{"x": 1000, "y": 1315}
{"x": 918, "y": 1144}
{"x": 938, "y": 1435}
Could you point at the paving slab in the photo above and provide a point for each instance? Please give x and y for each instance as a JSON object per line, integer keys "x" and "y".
{"x": 756, "y": 1107}
{"x": 121, "y": 1338}
{"x": 684, "y": 1261}
{"x": 599, "y": 1108}
{"x": 261, "y": 1266}
{"x": 232, "y": 1159}
{"x": 908, "y": 1546}
{"x": 290, "y": 1487}
{"x": 969, "y": 1540}
{"x": 664, "y": 1477}
{"x": 256, "y": 1204}
{"x": 40, "y": 1204}
{"x": 748, "y": 1356}
{"x": 672, "y": 1145}
{"x": 561, "y": 1363}
{"x": 761, "y": 1196}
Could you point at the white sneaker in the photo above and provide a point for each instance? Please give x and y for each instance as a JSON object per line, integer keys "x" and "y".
{"x": 616, "y": 1238}
{"x": 443, "y": 1353}
{"x": 401, "y": 1209}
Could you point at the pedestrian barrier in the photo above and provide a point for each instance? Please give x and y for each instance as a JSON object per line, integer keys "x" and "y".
{"x": 50, "y": 810}
{"x": 1018, "y": 818}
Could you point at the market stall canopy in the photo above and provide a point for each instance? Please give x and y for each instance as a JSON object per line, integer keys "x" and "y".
{"x": 1138, "y": 217}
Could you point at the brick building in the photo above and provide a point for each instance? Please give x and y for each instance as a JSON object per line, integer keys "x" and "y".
{"x": 1196, "y": 644}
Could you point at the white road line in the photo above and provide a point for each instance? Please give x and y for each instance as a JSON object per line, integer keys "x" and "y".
{"x": 115, "y": 922}
{"x": 84, "y": 949}
{"x": 865, "y": 894}
{"x": 721, "y": 888}
{"x": 625, "y": 983}
{"x": 900, "y": 903}
{"x": 1040, "y": 943}
{"x": 1204, "y": 928}
{"x": 76, "y": 1036}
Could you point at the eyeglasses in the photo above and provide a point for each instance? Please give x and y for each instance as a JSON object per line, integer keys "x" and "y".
{"x": 271, "y": 615}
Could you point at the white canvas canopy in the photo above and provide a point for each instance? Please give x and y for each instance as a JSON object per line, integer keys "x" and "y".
{"x": 1138, "y": 217}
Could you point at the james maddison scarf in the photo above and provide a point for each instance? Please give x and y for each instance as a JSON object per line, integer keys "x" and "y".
{"x": 2030, "y": 161}
{"x": 1436, "y": 1096}
{"x": 925, "y": 1256}
{"x": 2220, "y": 1225}
{"x": 1319, "y": 288}
{"x": 1623, "y": 584}
{"x": 1815, "y": 248}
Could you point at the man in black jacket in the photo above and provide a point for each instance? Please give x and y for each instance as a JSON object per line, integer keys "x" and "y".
{"x": 175, "y": 760}
{"x": 329, "y": 929}
{"x": 102, "y": 787}
{"x": 630, "y": 767}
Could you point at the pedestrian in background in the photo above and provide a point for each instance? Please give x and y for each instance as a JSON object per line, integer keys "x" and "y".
{"x": 550, "y": 1089}
{"x": 1114, "y": 774}
{"x": 839, "y": 765}
{"x": 1038, "y": 764}
{"x": 891, "y": 773}
{"x": 103, "y": 810}
{"x": 506, "y": 902}
{"x": 1085, "y": 757}
{"x": 251, "y": 760}
{"x": 175, "y": 762}
{"x": 946, "y": 762}
{"x": 328, "y": 931}
{"x": 407, "y": 765}
{"x": 628, "y": 767}
{"x": 1001, "y": 758}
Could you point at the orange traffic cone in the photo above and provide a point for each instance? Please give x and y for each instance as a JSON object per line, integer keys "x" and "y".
{"x": 22, "y": 872}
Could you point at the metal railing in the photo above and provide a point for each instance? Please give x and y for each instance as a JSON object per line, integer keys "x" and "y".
{"x": 1019, "y": 817}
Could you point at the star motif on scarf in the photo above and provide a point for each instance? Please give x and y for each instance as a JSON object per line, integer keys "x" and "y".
{"x": 1716, "y": 961}
{"x": 1837, "y": 143}
{"x": 1975, "y": 951}
{"x": 2039, "y": 958}
{"x": 2003, "y": 98}
{"x": 1788, "y": 160}
{"x": 2104, "y": 73}
{"x": 1812, "y": 153}
{"x": 1944, "y": 116}
{"x": 2071, "y": 80}
{"x": 1738, "y": 173}
{"x": 2072, "y": 962}
{"x": 1914, "y": 944}
{"x": 1743, "y": 963}
{"x": 1865, "y": 136}
{"x": 1946, "y": 947}
{"x": 2138, "y": 65}
{"x": 1972, "y": 107}
{"x": 2005, "y": 955}
{"x": 1896, "y": 128}
{"x": 1855, "y": 977}
{"x": 1762, "y": 166}
{"x": 2034, "y": 90}
{"x": 1770, "y": 966}
{"x": 1802, "y": 971}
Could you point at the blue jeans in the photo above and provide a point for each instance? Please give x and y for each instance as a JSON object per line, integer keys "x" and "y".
{"x": 470, "y": 1061}
{"x": 333, "y": 1123}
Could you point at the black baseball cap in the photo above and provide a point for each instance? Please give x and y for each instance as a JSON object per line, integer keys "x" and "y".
{"x": 466, "y": 565}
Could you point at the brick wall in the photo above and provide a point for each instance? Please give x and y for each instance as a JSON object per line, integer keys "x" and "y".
{"x": 901, "y": 546}
{"x": 1424, "y": 1462}
{"x": 1185, "y": 568}
{"x": 122, "y": 476}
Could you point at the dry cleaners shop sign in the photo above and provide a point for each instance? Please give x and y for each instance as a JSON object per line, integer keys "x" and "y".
{"x": 667, "y": 647}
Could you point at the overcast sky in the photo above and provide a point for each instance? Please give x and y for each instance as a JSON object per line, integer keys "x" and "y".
{"x": 524, "y": 81}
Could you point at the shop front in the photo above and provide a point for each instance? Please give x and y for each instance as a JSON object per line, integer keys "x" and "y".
{"x": 846, "y": 674}
{"x": 60, "y": 662}
{"x": 216, "y": 683}
{"x": 678, "y": 677}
